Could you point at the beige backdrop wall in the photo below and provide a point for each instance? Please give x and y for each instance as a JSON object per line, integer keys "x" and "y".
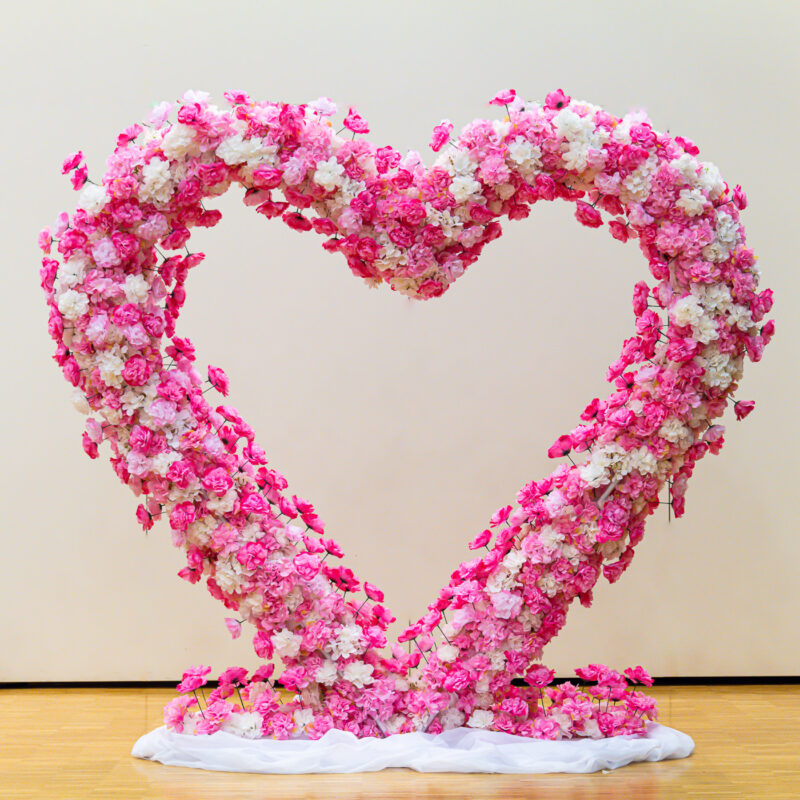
{"x": 407, "y": 424}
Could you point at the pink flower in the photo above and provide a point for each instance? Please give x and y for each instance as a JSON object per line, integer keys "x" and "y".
{"x": 540, "y": 676}
{"x": 506, "y": 605}
{"x": 235, "y": 628}
{"x": 193, "y": 679}
{"x": 218, "y": 379}
{"x": 546, "y": 728}
{"x": 71, "y": 162}
{"x": 373, "y": 592}
{"x": 307, "y": 565}
{"x": 217, "y": 480}
{"x": 587, "y": 215}
{"x": 503, "y": 98}
{"x": 175, "y": 712}
{"x": 441, "y": 135}
{"x": 619, "y": 230}
{"x": 355, "y": 122}
{"x": 233, "y": 676}
{"x": 556, "y": 100}
{"x": 182, "y": 516}
{"x": 500, "y": 516}
{"x": 144, "y": 517}
{"x": 561, "y": 447}
{"x": 639, "y": 675}
{"x": 79, "y": 177}
{"x": 481, "y": 540}
{"x": 743, "y": 407}
{"x": 136, "y": 371}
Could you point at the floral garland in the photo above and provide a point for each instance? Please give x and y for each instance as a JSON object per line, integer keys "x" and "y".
{"x": 115, "y": 295}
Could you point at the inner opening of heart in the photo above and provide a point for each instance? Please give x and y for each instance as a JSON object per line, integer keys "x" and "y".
{"x": 409, "y": 423}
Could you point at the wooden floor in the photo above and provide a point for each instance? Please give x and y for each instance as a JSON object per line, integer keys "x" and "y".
{"x": 75, "y": 743}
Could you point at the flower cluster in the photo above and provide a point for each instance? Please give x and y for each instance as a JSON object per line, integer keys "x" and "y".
{"x": 115, "y": 286}
{"x": 538, "y": 710}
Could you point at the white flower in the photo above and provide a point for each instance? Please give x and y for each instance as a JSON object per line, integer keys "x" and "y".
{"x": 329, "y": 174}
{"x": 73, "y": 304}
{"x": 92, "y": 198}
{"x": 718, "y": 370}
{"x": 687, "y": 165}
{"x": 548, "y": 584}
{"x": 80, "y": 402}
{"x": 447, "y": 653}
{"x": 358, "y": 673}
{"x": 456, "y": 162}
{"x": 726, "y": 235}
{"x": 246, "y": 724}
{"x": 136, "y": 289}
{"x": 593, "y": 473}
{"x": 716, "y": 297}
{"x": 639, "y": 460}
{"x": 252, "y": 606}
{"x": 550, "y": 538}
{"x": 324, "y": 106}
{"x": 636, "y": 186}
{"x": 157, "y": 186}
{"x": 229, "y": 574}
{"x": 463, "y": 187}
{"x": 350, "y": 641}
{"x": 480, "y": 718}
{"x": 286, "y": 643}
{"x": 673, "y": 430}
{"x": 452, "y": 718}
{"x": 524, "y": 154}
{"x": 179, "y": 142}
{"x": 195, "y": 96}
{"x": 303, "y": 717}
{"x": 327, "y": 673}
{"x": 692, "y": 201}
{"x": 514, "y": 560}
{"x": 710, "y": 180}
{"x": 686, "y": 311}
{"x": 706, "y": 329}
{"x": 741, "y": 317}
{"x": 238, "y": 150}
{"x": 498, "y": 659}
{"x": 110, "y": 365}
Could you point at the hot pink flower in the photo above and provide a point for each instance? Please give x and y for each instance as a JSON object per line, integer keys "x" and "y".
{"x": 355, "y": 122}
{"x": 217, "y": 480}
{"x": 540, "y": 676}
{"x": 639, "y": 675}
{"x": 481, "y": 540}
{"x": 503, "y": 98}
{"x": 587, "y": 215}
{"x": 441, "y": 135}
{"x": 193, "y": 679}
{"x": 373, "y": 592}
{"x": 182, "y": 516}
{"x": 218, "y": 379}
{"x": 546, "y": 728}
{"x": 136, "y": 371}
{"x": 561, "y": 447}
{"x": 556, "y": 100}
{"x": 743, "y": 407}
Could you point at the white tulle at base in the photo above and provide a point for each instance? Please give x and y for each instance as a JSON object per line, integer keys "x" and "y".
{"x": 459, "y": 750}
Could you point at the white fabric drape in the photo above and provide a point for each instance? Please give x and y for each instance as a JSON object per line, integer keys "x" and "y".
{"x": 459, "y": 750}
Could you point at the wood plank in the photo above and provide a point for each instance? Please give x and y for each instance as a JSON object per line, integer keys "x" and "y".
{"x": 75, "y": 743}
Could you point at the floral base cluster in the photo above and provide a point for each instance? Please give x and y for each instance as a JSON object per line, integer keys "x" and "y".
{"x": 253, "y": 707}
{"x": 114, "y": 274}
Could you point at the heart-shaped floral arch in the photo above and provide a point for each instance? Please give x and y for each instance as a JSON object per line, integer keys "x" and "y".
{"x": 115, "y": 297}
